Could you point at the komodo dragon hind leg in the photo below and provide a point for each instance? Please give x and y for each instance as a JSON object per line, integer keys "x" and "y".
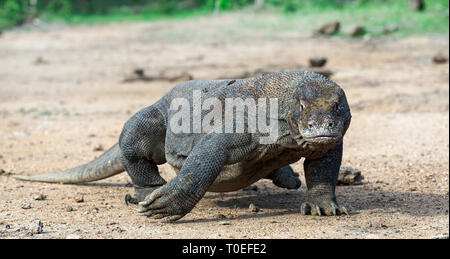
{"x": 285, "y": 177}
{"x": 142, "y": 144}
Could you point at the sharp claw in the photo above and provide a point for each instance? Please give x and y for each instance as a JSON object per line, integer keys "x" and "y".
{"x": 172, "y": 218}
{"x": 318, "y": 211}
{"x": 150, "y": 213}
{"x": 158, "y": 216}
{"x": 304, "y": 208}
{"x": 127, "y": 198}
{"x": 142, "y": 210}
{"x": 344, "y": 210}
{"x": 145, "y": 202}
{"x": 130, "y": 199}
{"x": 334, "y": 209}
{"x": 315, "y": 211}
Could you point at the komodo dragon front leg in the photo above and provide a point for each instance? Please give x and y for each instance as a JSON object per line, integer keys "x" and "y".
{"x": 321, "y": 178}
{"x": 180, "y": 195}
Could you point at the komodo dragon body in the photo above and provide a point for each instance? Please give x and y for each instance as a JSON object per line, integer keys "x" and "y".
{"x": 312, "y": 118}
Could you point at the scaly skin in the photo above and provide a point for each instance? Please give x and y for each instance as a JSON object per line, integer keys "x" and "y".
{"x": 313, "y": 117}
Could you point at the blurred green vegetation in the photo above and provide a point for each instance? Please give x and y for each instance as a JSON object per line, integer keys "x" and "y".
{"x": 370, "y": 13}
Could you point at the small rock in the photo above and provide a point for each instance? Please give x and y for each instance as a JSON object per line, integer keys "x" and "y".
{"x": 118, "y": 229}
{"x": 73, "y": 236}
{"x": 328, "y": 29}
{"x": 37, "y": 227}
{"x": 224, "y": 223}
{"x": 40, "y": 197}
{"x": 355, "y": 31}
{"x": 78, "y": 199}
{"x": 139, "y": 72}
{"x": 349, "y": 176}
{"x": 440, "y": 59}
{"x": 69, "y": 209}
{"x": 417, "y": 5}
{"x": 441, "y": 236}
{"x": 98, "y": 147}
{"x": 25, "y": 206}
{"x": 253, "y": 208}
{"x": 2, "y": 171}
{"x": 317, "y": 61}
{"x": 221, "y": 216}
{"x": 40, "y": 61}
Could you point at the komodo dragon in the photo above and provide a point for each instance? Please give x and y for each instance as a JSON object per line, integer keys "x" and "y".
{"x": 313, "y": 116}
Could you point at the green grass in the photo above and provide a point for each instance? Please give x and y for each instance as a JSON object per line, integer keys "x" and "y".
{"x": 124, "y": 15}
{"x": 373, "y": 16}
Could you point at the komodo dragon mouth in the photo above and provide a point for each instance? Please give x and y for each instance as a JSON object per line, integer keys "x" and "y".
{"x": 323, "y": 139}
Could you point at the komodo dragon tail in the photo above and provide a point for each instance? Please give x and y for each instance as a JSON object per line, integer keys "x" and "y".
{"x": 108, "y": 164}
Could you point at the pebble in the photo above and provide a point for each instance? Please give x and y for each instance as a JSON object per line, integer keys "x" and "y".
{"x": 317, "y": 61}
{"x": 37, "y": 227}
{"x": 328, "y": 29}
{"x": 439, "y": 58}
{"x": 221, "y": 216}
{"x": 78, "y": 199}
{"x": 69, "y": 209}
{"x": 417, "y": 5}
{"x": 40, "y": 197}
{"x": 355, "y": 31}
{"x": 224, "y": 223}
{"x": 253, "y": 208}
{"x": 98, "y": 147}
{"x": 118, "y": 229}
{"x": 25, "y": 205}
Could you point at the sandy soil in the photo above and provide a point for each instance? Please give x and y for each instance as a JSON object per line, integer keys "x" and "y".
{"x": 61, "y": 96}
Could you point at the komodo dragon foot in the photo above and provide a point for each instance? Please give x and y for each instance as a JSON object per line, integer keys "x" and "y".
{"x": 285, "y": 177}
{"x": 141, "y": 193}
{"x": 318, "y": 206}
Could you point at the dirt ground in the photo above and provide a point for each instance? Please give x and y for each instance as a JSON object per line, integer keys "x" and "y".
{"x": 62, "y": 96}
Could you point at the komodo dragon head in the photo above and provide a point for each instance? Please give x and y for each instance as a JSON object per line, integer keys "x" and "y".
{"x": 321, "y": 115}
